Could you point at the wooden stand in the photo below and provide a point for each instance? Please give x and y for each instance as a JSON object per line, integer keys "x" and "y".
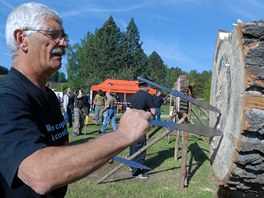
{"x": 158, "y": 138}
{"x": 185, "y": 108}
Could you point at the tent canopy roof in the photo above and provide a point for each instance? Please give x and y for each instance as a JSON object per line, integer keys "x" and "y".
{"x": 119, "y": 86}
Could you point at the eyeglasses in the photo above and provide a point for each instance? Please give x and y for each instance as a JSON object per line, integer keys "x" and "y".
{"x": 54, "y": 34}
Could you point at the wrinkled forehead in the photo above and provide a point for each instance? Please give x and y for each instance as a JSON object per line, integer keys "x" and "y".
{"x": 51, "y": 22}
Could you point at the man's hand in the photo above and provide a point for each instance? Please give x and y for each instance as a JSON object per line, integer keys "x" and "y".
{"x": 134, "y": 124}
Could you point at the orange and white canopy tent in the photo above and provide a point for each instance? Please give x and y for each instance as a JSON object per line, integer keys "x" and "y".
{"x": 121, "y": 87}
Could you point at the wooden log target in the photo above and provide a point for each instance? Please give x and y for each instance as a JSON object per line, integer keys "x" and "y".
{"x": 237, "y": 89}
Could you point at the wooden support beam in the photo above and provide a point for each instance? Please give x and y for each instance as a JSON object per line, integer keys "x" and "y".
{"x": 183, "y": 173}
{"x": 135, "y": 154}
{"x": 158, "y": 128}
{"x": 198, "y": 118}
{"x": 176, "y": 148}
{"x": 158, "y": 138}
{"x": 205, "y": 113}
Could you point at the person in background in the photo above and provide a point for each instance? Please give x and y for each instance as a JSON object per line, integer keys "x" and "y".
{"x": 68, "y": 101}
{"x": 110, "y": 109}
{"x": 158, "y": 101}
{"x": 78, "y": 113}
{"x": 99, "y": 102}
{"x": 86, "y": 103}
{"x": 59, "y": 98}
{"x": 117, "y": 97}
{"x": 144, "y": 101}
{"x": 117, "y": 101}
{"x": 36, "y": 158}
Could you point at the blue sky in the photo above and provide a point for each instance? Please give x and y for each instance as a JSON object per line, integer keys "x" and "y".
{"x": 182, "y": 32}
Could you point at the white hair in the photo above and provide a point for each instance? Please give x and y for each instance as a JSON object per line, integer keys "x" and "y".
{"x": 28, "y": 15}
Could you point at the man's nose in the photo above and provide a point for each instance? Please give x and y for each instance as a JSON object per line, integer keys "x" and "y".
{"x": 63, "y": 42}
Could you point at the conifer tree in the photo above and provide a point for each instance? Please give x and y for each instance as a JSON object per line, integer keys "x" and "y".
{"x": 3, "y": 70}
{"x": 72, "y": 58}
{"x": 156, "y": 69}
{"x": 133, "y": 56}
{"x": 107, "y": 44}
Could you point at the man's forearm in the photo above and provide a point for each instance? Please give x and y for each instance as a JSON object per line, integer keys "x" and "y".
{"x": 53, "y": 167}
{"x": 105, "y": 108}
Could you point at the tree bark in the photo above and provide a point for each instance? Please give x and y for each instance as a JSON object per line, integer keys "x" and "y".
{"x": 237, "y": 90}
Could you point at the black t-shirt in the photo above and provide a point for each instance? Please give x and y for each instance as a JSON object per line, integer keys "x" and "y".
{"x": 142, "y": 100}
{"x": 71, "y": 101}
{"x": 86, "y": 101}
{"x": 158, "y": 100}
{"x": 30, "y": 119}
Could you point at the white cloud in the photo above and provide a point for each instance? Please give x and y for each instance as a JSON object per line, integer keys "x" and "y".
{"x": 92, "y": 8}
{"x": 169, "y": 52}
{"x": 258, "y": 4}
{"x": 248, "y": 10}
{"x": 170, "y": 3}
{"x": 7, "y": 4}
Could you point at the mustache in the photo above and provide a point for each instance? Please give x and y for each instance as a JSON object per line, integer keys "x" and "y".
{"x": 58, "y": 51}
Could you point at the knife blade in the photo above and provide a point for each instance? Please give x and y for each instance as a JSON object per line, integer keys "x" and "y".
{"x": 196, "y": 129}
{"x": 131, "y": 163}
{"x": 179, "y": 94}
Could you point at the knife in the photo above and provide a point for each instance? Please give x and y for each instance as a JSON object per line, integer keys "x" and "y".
{"x": 196, "y": 129}
{"x": 131, "y": 163}
{"x": 179, "y": 94}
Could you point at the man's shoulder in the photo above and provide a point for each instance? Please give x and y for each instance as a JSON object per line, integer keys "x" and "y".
{"x": 142, "y": 92}
{"x": 102, "y": 97}
{"x": 68, "y": 95}
{"x": 11, "y": 84}
{"x": 155, "y": 96}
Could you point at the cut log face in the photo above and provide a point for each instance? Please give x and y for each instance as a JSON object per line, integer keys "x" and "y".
{"x": 237, "y": 90}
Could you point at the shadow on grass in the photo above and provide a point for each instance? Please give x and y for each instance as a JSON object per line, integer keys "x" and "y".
{"x": 195, "y": 138}
{"x": 82, "y": 139}
{"x": 198, "y": 155}
{"x": 164, "y": 170}
{"x": 153, "y": 163}
{"x": 116, "y": 180}
{"x": 159, "y": 158}
{"x": 91, "y": 132}
{"x": 131, "y": 177}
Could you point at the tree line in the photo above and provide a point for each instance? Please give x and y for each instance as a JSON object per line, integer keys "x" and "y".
{"x": 110, "y": 53}
{"x": 56, "y": 77}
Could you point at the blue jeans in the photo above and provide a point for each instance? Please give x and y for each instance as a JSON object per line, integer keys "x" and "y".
{"x": 141, "y": 142}
{"x": 110, "y": 114}
{"x": 158, "y": 113}
{"x": 68, "y": 117}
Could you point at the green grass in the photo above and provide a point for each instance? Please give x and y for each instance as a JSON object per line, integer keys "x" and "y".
{"x": 164, "y": 176}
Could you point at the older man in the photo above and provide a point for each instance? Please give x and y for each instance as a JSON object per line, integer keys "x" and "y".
{"x": 35, "y": 159}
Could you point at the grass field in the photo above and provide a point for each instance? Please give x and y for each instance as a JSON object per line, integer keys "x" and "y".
{"x": 164, "y": 176}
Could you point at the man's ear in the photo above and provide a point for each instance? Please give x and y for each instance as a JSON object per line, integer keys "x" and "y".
{"x": 20, "y": 39}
